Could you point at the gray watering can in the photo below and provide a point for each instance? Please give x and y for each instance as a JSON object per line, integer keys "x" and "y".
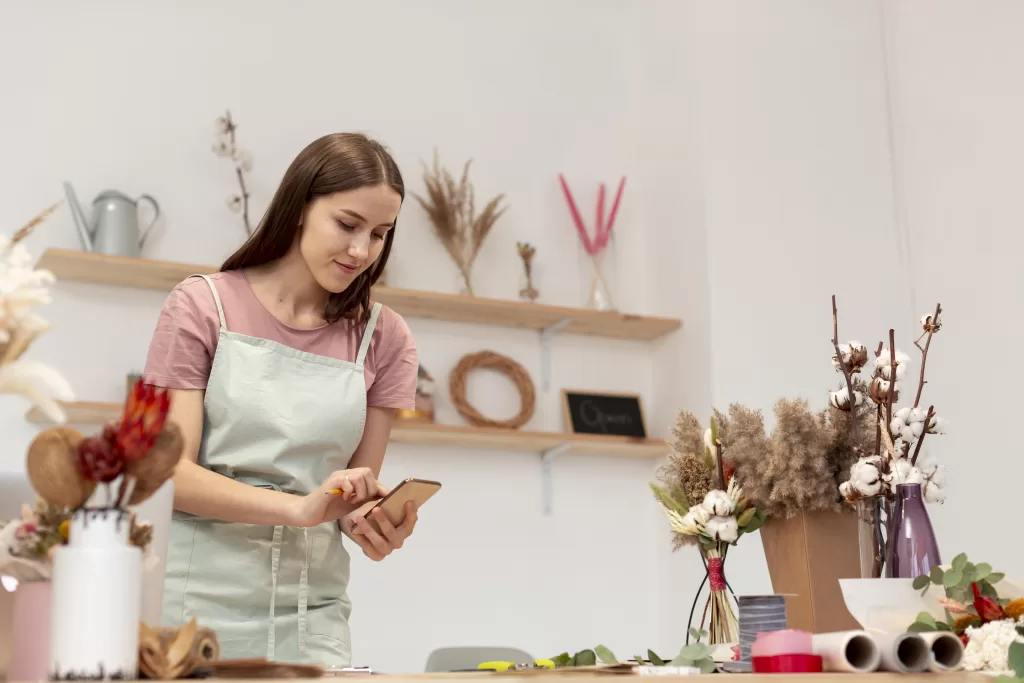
{"x": 114, "y": 228}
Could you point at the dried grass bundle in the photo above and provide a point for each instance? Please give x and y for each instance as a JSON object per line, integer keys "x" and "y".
{"x": 687, "y": 467}
{"x": 799, "y": 466}
{"x": 451, "y": 208}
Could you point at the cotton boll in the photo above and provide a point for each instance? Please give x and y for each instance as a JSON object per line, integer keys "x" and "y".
{"x": 917, "y": 415}
{"x": 718, "y": 503}
{"x": 933, "y": 493}
{"x": 841, "y": 399}
{"x": 902, "y": 472}
{"x": 722, "y": 529}
{"x": 244, "y": 159}
{"x": 884, "y": 360}
{"x": 864, "y": 477}
{"x": 937, "y": 426}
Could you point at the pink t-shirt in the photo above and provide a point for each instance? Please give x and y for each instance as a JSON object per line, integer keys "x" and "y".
{"x": 181, "y": 352}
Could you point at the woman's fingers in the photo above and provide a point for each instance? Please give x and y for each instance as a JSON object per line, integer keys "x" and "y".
{"x": 411, "y": 517}
{"x": 394, "y": 536}
{"x": 376, "y": 540}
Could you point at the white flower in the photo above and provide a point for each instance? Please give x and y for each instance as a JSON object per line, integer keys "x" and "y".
{"x": 222, "y": 147}
{"x": 244, "y": 159}
{"x": 722, "y": 529}
{"x": 221, "y": 125}
{"x": 864, "y": 476}
{"x": 937, "y": 425}
{"x": 988, "y": 646}
{"x": 840, "y": 398}
{"x": 234, "y": 203}
{"x": 902, "y": 472}
{"x": 718, "y": 503}
{"x": 845, "y": 489}
{"x": 884, "y": 360}
{"x": 934, "y": 482}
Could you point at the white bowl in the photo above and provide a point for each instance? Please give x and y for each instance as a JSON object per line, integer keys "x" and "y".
{"x": 888, "y": 605}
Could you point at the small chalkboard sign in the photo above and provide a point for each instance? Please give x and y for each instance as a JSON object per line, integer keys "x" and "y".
{"x": 612, "y": 414}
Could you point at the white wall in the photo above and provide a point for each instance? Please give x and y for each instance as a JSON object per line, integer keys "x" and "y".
{"x": 960, "y": 151}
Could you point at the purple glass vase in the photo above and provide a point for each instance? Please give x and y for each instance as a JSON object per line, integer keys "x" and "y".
{"x": 911, "y": 548}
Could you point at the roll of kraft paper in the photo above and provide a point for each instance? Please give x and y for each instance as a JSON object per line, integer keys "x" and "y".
{"x": 905, "y": 653}
{"x": 847, "y": 651}
{"x": 947, "y": 651}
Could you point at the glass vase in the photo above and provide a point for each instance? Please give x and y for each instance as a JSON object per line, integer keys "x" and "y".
{"x": 912, "y": 550}
{"x": 597, "y": 277}
{"x": 718, "y": 617}
{"x": 869, "y": 537}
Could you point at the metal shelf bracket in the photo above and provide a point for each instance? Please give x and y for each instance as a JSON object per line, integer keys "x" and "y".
{"x": 546, "y": 458}
{"x": 545, "y": 351}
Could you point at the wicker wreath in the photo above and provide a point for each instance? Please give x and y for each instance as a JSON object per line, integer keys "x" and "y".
{"x": 503, "y": 364}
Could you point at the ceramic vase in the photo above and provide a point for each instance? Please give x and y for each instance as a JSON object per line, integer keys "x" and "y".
{"x": 95, "y": 603}
{"x": 30, "y": 640}
{"x": 911, "y": 548}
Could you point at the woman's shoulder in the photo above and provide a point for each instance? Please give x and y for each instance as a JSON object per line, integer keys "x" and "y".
{"x": 391, "y": 330}
{"x": 195, "y": 293}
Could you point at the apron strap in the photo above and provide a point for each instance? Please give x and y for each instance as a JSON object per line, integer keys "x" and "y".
{"x": 216, "y": 298}
{"x": 368, "y": 334}
{"x": 275, "y": 567}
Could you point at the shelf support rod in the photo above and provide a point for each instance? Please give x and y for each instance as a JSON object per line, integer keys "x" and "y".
{"x": 546, "y": 458}
{"x": 546, "y": 335}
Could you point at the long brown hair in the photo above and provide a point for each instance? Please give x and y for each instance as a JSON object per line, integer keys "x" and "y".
{"x": 334, "y": 163}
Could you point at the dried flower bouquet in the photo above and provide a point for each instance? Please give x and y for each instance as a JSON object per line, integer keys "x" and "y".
{"x": 130, "y": 459}
{"x": 698, "y": 471}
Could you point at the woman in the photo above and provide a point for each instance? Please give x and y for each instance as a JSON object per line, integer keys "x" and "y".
{"x": 285, "y": 380}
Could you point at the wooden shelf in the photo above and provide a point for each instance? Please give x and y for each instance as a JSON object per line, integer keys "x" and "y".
{"x": 70, "y": 264}
{"x": 92, "y": 413}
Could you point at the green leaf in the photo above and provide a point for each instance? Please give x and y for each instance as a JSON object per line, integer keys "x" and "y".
{"x": 943, "y": 626}
{"x": 714, "y": 431}
{"x": 681, "y": 661}
{"x": 987, "y": 590}
{"x": 695, "y": 651}
{"x": 586, "y": 658}
{"x": 1005, "y": 679}
{"x": 707, "y": 665}
{"x": 605, "y": 655}
{"x": 680, "y": 495}
{"x": 709, "y": 459}
{"x": 746, "y": 518}
{"x": 696, "y": 633}
{"x": 755, "y": 524}
{"x": 952, "y": 578}
{"x": 918, "y": 627}
{"x": 925, "y": 618}
{"x": 667, "y": 500}
{"x": 996, "y": 577}
{"x": 959, "y": 562}
{"x": 936, "y": 575}
{"x": 1016, "y": 659}
{"x": 706, "y": 542}
{"x": 967, "y": 575}
{"x": 640, "y": 659}
{"x": 562, "y": 659}
{"x": 982, "y": 571}
{"x": 922, "y": 581}
{"x": 655, "y": 659}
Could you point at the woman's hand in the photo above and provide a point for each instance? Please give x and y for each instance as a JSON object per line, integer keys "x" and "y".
{"x": 377, "y": 546}
{"x": 356, "y": 486}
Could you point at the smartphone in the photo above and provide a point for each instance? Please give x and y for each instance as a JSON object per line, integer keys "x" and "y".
{"x": 419, "y": 491}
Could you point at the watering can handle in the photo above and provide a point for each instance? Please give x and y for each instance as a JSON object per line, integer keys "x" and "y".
{"x": 156, "y": 214}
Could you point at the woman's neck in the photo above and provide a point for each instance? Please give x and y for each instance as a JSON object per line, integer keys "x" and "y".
{"x": 288, "y": 288}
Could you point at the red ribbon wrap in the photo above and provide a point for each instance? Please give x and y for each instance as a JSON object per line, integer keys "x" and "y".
{"x": 715, "y": 575}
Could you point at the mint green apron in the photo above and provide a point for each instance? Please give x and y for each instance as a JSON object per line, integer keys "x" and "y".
{"x": 282, "y": 419}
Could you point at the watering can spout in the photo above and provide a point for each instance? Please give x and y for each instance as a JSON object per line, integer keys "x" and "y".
{"x": 81, "y": 220}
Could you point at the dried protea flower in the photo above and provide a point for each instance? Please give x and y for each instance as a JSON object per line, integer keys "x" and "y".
{"x": 98, "y": 460}
{"x": 854, "y": 357}
{"x": 145, "y": 412}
